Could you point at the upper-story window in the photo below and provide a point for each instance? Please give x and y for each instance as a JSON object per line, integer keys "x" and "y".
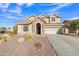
{"x": 25, "y": 28}
{"x": 53, "y": 18}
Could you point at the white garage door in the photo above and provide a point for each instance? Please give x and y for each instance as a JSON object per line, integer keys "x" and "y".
{"x": 51, "y": 30}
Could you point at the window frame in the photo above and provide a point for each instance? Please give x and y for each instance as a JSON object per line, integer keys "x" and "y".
{"x": 53, "y": 19}
{"x": 25, "y": 28}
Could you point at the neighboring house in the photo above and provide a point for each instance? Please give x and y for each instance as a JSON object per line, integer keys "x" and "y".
{"x": 40, "y": 25}
{"x": 66, "y": 26}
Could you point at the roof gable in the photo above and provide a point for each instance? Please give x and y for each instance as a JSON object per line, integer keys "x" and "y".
{"x": 31, "y": 17}
{"x": 42, "y": 15}
{"x": 41, "y": 19}
{"x": 56, "y": 16}
{"x": 28, "y": 20}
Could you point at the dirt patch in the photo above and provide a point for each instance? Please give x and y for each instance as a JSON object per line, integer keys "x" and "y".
{"x": 40, "y": 46}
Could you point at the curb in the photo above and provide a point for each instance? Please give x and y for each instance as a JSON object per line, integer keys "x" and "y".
{"x": 52, "y": 47}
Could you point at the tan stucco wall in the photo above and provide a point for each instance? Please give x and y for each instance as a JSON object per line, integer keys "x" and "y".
{"x": 30, "y": 28}
{"x": 47, "y": 20}
{"x": 66, "y": 30}
{"x": 20, "y": 29}
{"x": 57, "y": 20}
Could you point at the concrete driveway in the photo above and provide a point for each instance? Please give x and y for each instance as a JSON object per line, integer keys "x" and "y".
{"x": 65, "y": 45}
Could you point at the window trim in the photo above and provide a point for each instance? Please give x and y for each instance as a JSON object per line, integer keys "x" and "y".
{"x": 53, "y": 19}
{"x": 25, "y": 28}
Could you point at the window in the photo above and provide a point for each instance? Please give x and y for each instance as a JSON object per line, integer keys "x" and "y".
{"x": 53, "y": 18}
{"x": 25, "y": 28}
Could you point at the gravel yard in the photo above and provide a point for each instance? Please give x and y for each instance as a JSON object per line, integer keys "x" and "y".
{"x": 17, "y": 46}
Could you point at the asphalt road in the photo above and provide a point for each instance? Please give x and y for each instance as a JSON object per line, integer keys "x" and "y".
{"x": 65, "y": 45}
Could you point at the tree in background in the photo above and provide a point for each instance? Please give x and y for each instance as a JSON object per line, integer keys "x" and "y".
{"x": 3, "y": 28}
{"x": 15, "y": 30}
{"x": 74, "y": 25}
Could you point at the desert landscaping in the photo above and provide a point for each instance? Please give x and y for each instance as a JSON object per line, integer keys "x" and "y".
{"x": 26, "y": 45}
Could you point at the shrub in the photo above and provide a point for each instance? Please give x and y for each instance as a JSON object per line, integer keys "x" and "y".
{"x": 5, "y": 36}
{"x": 0, "y": 37}
{"x": 10, "y": 33}
{"x": 15, "y": 30}
{"x": 39, "y": 46}
{"x": 29, "y": 37}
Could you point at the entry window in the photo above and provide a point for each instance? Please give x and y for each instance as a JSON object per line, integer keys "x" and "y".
{"x": 25, "y": 28}
{"x": 53, "y": 18}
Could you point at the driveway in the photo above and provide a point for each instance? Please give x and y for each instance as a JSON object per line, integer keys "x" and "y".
{"x": 65, "y": 45}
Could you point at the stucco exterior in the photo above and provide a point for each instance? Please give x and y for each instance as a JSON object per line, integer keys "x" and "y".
{"x": 40, "y": 25}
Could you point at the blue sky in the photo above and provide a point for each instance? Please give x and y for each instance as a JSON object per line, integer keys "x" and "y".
{"x": 11, "y": 13}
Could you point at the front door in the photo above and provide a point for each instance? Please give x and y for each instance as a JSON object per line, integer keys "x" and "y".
{"x": 38, "y": 28}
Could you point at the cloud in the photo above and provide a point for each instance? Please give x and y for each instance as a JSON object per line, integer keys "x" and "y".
{"x": 6, "y": 17}
{"x": 74, "y": 18}
{"x": 27, "y": 4}
{"x": 20, "y": 4}
{"x": 11, "y": 17}
{"x": 16, "y": 10}
{"x": 4, "y": 6}
{"x": 58, "y": 6}
{"x": 61, "y": 6}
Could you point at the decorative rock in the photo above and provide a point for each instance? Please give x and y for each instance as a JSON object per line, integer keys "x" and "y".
{"x": 21, "y": 40}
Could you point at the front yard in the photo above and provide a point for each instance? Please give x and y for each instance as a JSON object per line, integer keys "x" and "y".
{"x": 27, "y": 45}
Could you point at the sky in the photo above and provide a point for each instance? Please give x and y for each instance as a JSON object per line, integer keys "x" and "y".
{"x": 11, "y": 13}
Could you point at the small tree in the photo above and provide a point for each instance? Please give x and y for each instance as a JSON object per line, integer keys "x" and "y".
{"x": 3, "y": 29}
{"x": 74, "y": 25}
{"x": 15, "y": 30}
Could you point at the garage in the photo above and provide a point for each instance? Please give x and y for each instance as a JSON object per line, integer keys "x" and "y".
{"x": 49, "y": 30}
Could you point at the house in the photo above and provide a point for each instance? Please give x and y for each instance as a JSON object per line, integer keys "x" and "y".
{"x": 40, "y": 25}
{"x": 66, "y": 26}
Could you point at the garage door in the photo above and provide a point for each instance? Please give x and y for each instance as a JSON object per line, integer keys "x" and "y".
{"x": 51, "y": 30}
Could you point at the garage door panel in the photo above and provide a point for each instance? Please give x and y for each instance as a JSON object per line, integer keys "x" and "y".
{"x": 51, "y": 30}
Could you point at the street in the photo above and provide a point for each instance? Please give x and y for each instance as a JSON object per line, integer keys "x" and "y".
{"x": 65, "y": 45}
